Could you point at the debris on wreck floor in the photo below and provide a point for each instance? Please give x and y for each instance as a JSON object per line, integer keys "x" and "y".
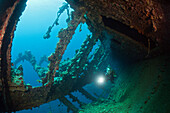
{"x": 141, "y": 88}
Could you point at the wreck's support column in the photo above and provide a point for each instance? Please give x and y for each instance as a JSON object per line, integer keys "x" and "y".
{"x": 89, "y": 96}
{"x": 76, "y": 99}
{"x": 68, "y": 104}
{"x": 10, "y": 12}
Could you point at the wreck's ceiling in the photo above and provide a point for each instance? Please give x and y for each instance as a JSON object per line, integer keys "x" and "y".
{"x": 139, "y": 27}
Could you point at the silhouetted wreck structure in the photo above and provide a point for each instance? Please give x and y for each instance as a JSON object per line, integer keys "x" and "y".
{"x": 135, "y": 30}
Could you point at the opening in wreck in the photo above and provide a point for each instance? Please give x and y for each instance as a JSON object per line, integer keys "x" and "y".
{"x": 127, "y": 31}
{"x": 32, "y": 26}
{"x": 79, "y": 61}
{"x": 33, "y": 34}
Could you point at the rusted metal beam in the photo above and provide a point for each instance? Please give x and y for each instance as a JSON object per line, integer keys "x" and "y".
{"x": 70, "y": 106}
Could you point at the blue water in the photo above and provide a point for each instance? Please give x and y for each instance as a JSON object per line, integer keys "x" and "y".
{"x": 33, "y": 24}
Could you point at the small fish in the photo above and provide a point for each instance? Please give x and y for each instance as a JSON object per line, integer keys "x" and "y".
{"x": 80, "y": 29}
{"x": 39, "y": 81}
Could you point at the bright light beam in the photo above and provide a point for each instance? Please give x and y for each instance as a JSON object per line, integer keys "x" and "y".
{"x": 100, "y": 80}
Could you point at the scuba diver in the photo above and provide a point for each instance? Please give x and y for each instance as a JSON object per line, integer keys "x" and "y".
{"x": 104, "y": 83}
{"x": 110, "y": 74}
